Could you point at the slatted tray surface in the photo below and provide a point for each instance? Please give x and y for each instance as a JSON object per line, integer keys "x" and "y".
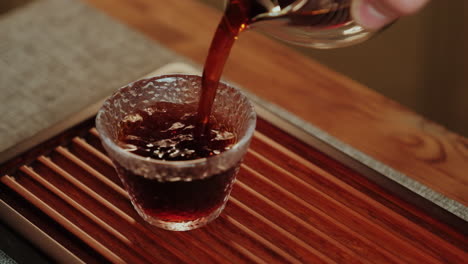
{"x": 290, "y": 204}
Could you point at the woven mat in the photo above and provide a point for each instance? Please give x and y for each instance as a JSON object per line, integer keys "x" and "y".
{"x": 59, "y": 56}
{"x": 5, "y": 259}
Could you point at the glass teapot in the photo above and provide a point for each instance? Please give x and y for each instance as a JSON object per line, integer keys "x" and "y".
{"x": 320, "y": 24}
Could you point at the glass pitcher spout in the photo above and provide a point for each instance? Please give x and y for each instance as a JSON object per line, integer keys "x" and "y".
{"x": 322, "y": 24}
{"x": 271, "y": 9}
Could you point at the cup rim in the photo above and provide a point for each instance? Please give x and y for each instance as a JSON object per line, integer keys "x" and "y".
{"x": 105, "y": 137}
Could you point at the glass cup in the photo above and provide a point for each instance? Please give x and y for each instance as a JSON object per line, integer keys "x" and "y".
{"x": 176, "y": 195}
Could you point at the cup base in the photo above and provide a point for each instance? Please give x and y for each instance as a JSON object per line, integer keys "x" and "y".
{"x": 181, "y": 226}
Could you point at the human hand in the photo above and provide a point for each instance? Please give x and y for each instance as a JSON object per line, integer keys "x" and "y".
{"x": 374, "y": 14}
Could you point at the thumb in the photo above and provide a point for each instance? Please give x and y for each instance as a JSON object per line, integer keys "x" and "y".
{"x": 372, "y": 14}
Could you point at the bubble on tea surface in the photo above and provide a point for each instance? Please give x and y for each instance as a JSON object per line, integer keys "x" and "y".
{"x": 175, "y": 126}
{"x": 132, "y": 118}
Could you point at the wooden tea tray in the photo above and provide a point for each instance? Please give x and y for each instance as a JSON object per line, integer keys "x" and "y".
{"x": 297, "y": 200}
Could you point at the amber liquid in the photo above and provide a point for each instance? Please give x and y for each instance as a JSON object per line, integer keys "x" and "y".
{"x": 178, "y": 201}
{"x": 175, "y": 132}
{"x": 166, "y": 131}
{"x": 237, "y": 17}
{"x": 185, "y": 132}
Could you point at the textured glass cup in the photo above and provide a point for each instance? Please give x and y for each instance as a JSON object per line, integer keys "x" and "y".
{"x": 177, "y": 195}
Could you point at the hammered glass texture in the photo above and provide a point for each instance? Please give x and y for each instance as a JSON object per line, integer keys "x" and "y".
{"x": 230, "y": 105}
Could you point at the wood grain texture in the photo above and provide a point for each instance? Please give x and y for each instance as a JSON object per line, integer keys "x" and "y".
{"x": 290, "y": 204}
{"x": 354, "y": 114}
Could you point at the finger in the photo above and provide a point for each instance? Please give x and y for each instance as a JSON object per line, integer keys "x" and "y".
{"x": 374, "y": 14}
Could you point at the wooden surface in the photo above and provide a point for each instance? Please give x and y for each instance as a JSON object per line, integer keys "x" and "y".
{"x": 352, "y": 113}
{"x": 327, "y": 212}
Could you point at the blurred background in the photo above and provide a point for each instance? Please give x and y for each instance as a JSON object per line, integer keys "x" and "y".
{"x": 420, "y": 62}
